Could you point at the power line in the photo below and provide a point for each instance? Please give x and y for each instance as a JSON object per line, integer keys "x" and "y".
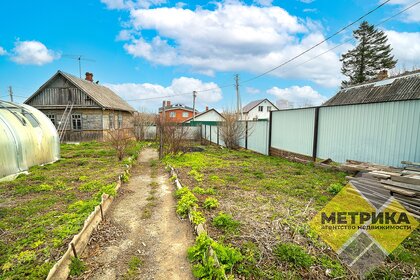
{"x": 316, "y": 45}
{"x": 299, "y": 55}
{"x": 352, "y": 39}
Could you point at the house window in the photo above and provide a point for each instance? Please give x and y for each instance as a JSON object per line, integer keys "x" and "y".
{"x": 111, "y": 121}
{"x": 76, "y": 122}
{"x": 185, "y": 114}
{"x": 120, "y": 120}
{"x": 52, "y": 118}
{"x": 260, "y": 108}
{"x": 268, "y": 108}
{"x": 172, "y": 114}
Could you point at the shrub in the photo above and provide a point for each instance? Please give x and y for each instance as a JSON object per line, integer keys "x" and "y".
{"x": 294, "y": 254}
{"x": 211, "y": 203}
{"x": 225, "y": 222}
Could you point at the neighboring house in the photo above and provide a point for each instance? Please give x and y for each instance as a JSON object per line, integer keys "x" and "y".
{"x": 95, "y": 109}
{"x": 206, "y": 117}
{"x": 258, "y": 110}
{"x": 398, "y": 88}
{"x": 176, "y": 113}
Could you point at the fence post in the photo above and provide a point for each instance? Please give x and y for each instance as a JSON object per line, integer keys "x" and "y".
{"x": 246, "y": 135}
{"x": 205, "y": 133}
{"x": 270, "y": 127}
{"x": 315, "y": 140}
{"x": 217, "y": 135}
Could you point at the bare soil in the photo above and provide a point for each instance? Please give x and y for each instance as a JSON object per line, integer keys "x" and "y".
{"x": 160, "y": 240}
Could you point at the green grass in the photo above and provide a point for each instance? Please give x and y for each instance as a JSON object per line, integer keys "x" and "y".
{"x": 40, "y": 212}
{"x": 293, "y": 254}
{"x": 269, "y": 200}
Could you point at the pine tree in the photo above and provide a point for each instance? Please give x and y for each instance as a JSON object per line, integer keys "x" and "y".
{"x": 371, "y": 55}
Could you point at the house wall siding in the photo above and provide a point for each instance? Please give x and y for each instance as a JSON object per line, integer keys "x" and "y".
{"x": 59, "y": 93}
{"x": 265, "y": 114}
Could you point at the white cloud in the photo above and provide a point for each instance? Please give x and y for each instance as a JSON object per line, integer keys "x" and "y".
{"x": 298, "y": 96}
{"x": 233, "y": 37}
{"x": 131, "y": 91}
{"x": 406, "y": 48}
{"x": 252, "y": 90}
{"x": 2, "y": 51}
{"x": 310, "y": 10}
{"x": 32, "y": 52}
{"x": 413, "y": 14}
{"x": 131, "y": 4}
{"x": 307, "y": 1}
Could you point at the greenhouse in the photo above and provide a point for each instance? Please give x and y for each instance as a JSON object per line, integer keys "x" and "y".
{"x": 27, "y": 138}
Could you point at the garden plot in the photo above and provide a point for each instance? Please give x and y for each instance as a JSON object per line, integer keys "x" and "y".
{"x": 262, "y": 205}
{"x": 40, "y": 212}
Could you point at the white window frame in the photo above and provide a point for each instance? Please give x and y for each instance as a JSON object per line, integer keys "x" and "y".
{"x": 172, "y": 114}
{"x": 269, "y": 108}
{"x": 260, "y": 108}
{"x": 185, "y": 114}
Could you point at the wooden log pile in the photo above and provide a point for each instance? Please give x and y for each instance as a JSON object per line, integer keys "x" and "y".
{"x": 377, "y": 180}
{"x": 405, "y": 186}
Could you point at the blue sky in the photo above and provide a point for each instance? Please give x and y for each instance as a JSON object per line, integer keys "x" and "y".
{"x": 146, "y": 49}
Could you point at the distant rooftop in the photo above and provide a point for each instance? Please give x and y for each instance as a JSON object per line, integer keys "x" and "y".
{"x": 397, "y": 88}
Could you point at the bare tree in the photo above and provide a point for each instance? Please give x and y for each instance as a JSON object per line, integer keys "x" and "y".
{"x": 232, "y": 130}
{"x": 120, "y": 140}
{"x": 174, "y": 136}
{"x": 142, "y": 121}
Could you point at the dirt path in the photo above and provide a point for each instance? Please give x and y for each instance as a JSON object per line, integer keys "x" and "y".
{"x": 142, "y": 237}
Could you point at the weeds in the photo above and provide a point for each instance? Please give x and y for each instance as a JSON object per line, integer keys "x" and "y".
{"x": 45, "y": 208}
{"x": 205, "y": 266}
{"x": 293, "y": 254}
{"x": 335, "y": 188}
{"x": 211, "y": 203}
{"x": 186, "y": 202}
{"x": 133, "y": 268}
{"x": 225, "y": 222}
{"x": 197, "y": 217}
{"x": 77, "y": 267}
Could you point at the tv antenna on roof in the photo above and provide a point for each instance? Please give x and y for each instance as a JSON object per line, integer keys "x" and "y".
{"x": 78, "y": 57}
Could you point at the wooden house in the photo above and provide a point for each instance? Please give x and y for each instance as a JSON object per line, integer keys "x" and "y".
{"x": 82, "y": 110}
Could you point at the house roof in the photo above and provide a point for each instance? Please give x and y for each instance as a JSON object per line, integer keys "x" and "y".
{"x": 102, "y": 95}
{"x": 177, "y": 106}
{"x": 405, "y": 87}
{"x": 251, "y": 105}
{"x": 203, "y": 113}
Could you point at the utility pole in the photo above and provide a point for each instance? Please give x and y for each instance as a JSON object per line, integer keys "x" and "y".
{"x": 162, "y": 123}
{"x": 11, "y": 93}
{"x": 194, "y": 97}
{"x": 238, "y": 98}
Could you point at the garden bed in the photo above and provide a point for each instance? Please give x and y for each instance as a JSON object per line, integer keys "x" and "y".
{"x": 40, "y": 212}
{"x": 262, "y": 205}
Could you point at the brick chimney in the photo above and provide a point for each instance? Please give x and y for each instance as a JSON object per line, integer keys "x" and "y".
{"x": 382, "y": 75}
{"x": 89, "y": 77}
{"x": 207, "y": 108}
{"x": 168, "y": 103}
